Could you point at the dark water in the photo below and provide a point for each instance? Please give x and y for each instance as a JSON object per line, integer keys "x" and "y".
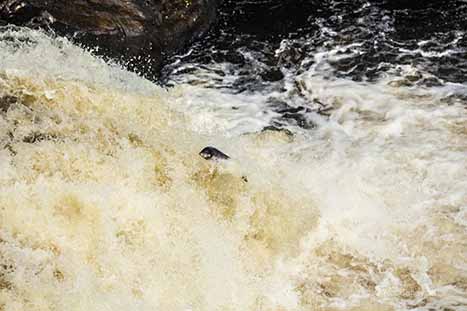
{"x": 373, "y": 35}
{"x": 263, "y": 46}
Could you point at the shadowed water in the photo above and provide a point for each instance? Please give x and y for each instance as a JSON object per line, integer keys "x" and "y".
{"x": 257, "y": 51}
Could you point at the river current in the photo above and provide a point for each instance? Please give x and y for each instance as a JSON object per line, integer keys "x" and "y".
{"x": 346, "y": 188}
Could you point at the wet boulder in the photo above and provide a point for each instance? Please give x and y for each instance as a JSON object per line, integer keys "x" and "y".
{"x": 138, "y": 33}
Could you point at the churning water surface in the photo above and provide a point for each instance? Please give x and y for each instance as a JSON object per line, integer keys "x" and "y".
{"x": 346, "y": 188}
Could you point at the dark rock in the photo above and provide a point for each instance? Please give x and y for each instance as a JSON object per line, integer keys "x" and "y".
{"x": 400, "y": 83}
{"x": 38, "y": 137}
{"x": 430, "y": 82}
{"x": 272, "y": 128}
{"x": 299, "y": 119}
{"x": 140, "y": 34}
{"x": 234, "y": 57}
{"x": 414, "y": 77}
{"x": 6, "y": 101}
{"x": 291, "y": 109}
{"x": 290, "y": 55}
{"x": 211, "y": 153}
{"x": 453, "y": 99}
{"x": 272, "y": 75}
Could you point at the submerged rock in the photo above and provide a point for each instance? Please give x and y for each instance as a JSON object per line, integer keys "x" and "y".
{"x": 138, "y": 33}
{"x": 6, "y": 101}
{"x": 272, "y": 128}
{"x": 211, "y": 153}
{"x": 272, "y": 75}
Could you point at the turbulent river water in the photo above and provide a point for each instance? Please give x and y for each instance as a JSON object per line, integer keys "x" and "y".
{"x": 346, "y": 188}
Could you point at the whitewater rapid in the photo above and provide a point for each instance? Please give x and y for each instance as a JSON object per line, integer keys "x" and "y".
{"x": 105, "y": 203}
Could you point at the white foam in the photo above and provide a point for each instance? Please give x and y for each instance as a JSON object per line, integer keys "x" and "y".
{"x": 116, "y": 211}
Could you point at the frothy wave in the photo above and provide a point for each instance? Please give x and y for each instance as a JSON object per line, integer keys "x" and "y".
{"x": 105, "y": 203}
